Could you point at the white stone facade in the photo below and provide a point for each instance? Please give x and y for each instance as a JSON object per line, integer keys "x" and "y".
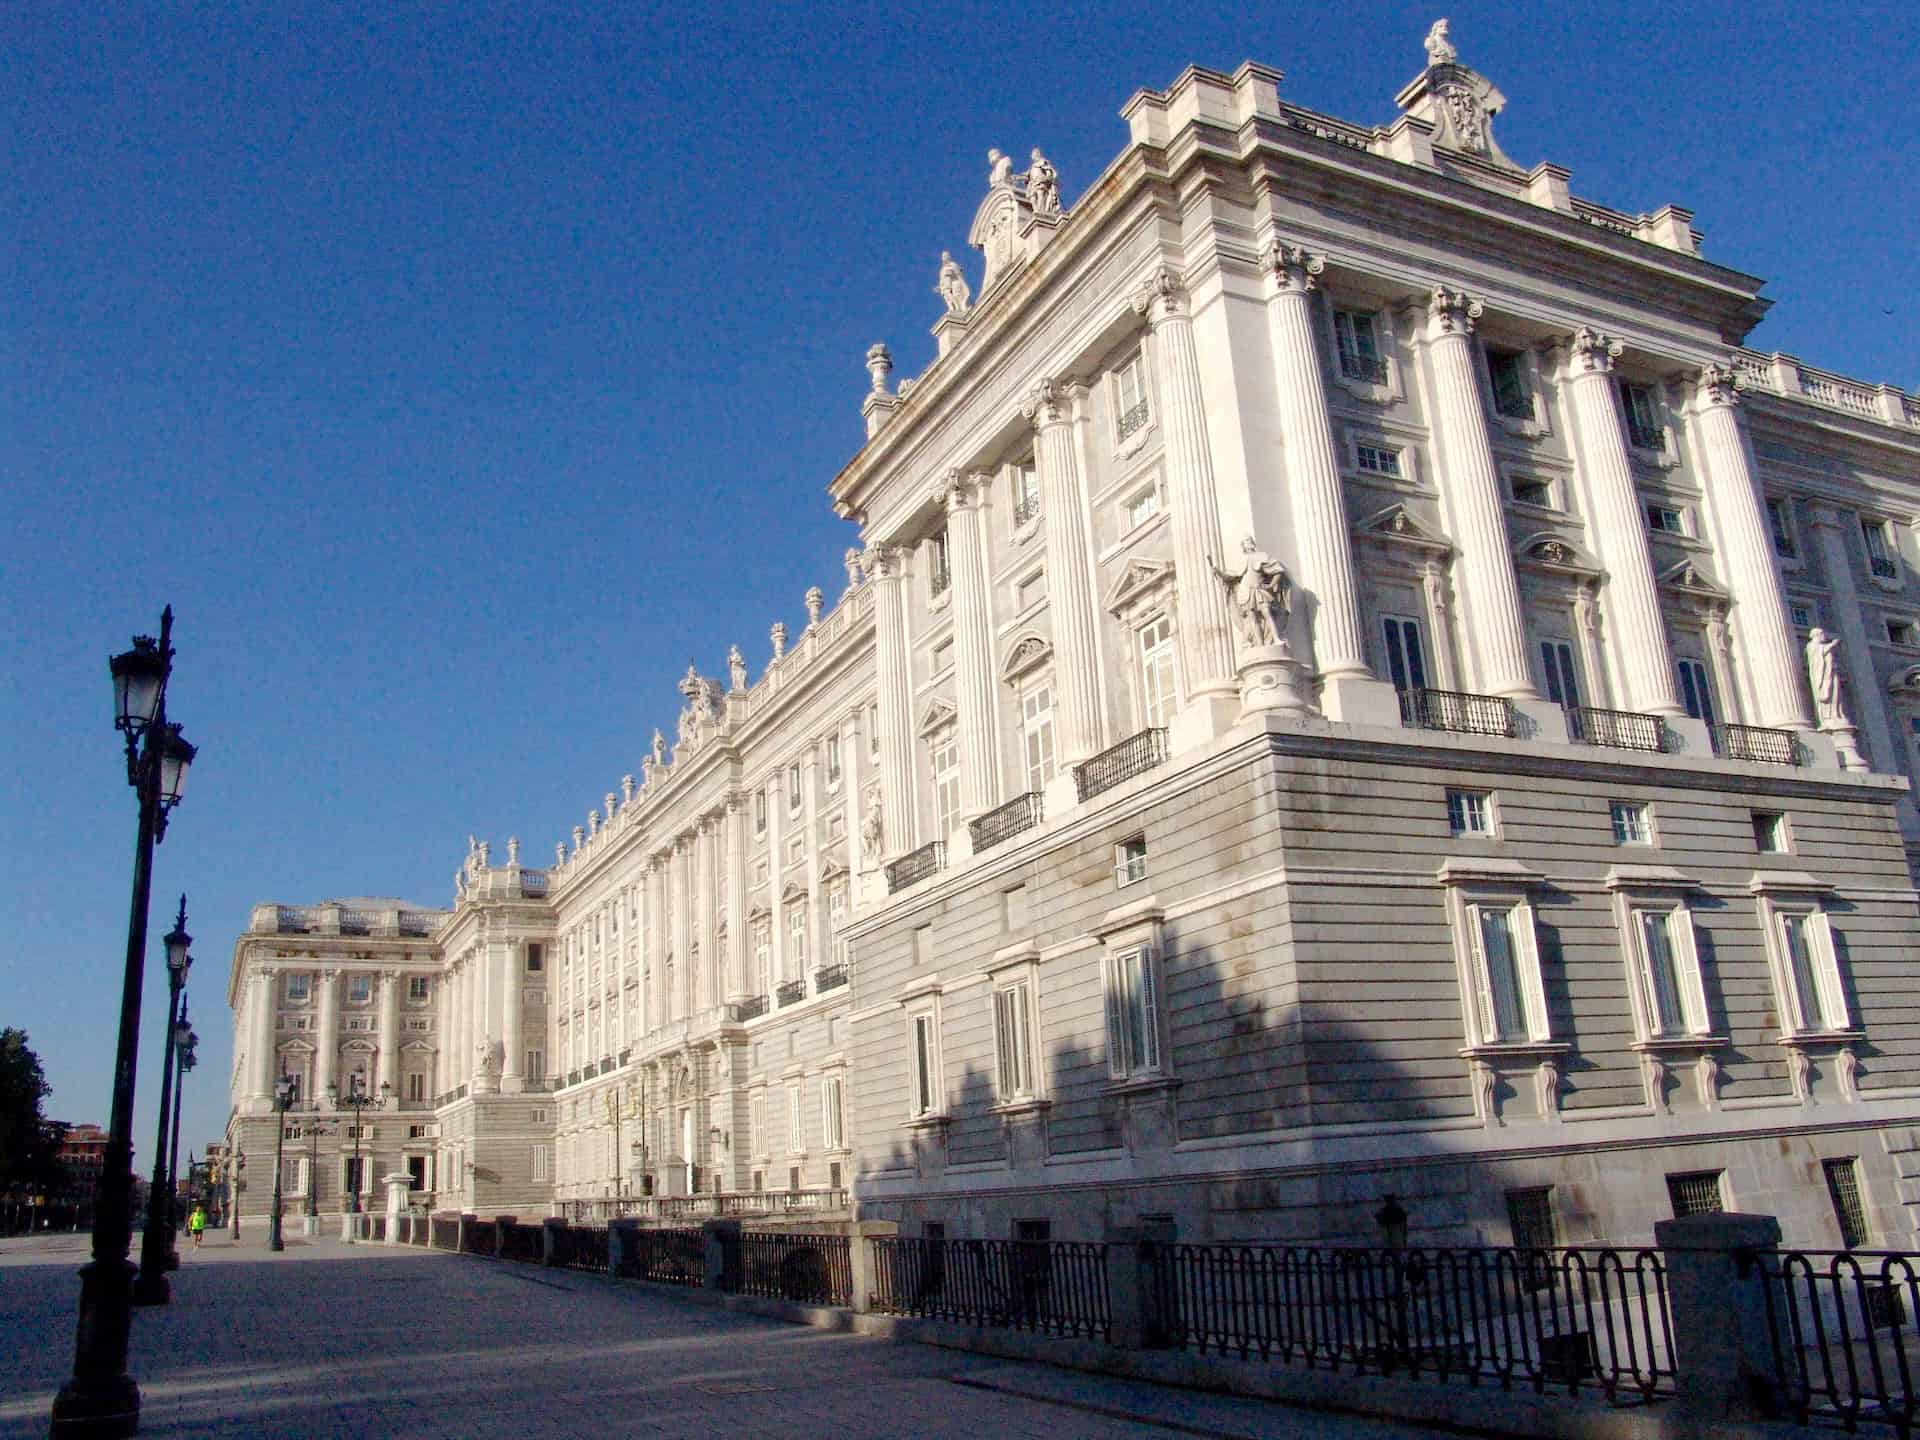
{"x": 1055, "y": 872}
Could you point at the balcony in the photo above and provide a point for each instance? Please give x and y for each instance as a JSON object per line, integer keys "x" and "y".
{"x": 916, "y": 865}
{"x": 752, "y": 1009}
{"x": 1644, "y": 435}
{"x": 1456, "y": 710}
{"x": 1133, "y": 418}
{"x": 1026, "y": 509}
{"x": 1884, "y": 568}
{"x": 1616, "y": 729}
{"x": 832, "y": 977}
{"x": 1020, "y": 813}
{"x": 1367, "y": 369}
{"x": 1756, "y": 743}
{"x": 1133, "y": 756}
{"x": 790, "y": 992}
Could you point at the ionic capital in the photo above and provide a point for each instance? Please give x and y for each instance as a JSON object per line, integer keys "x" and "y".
{"x": 882, "y": 562}
{"x": 1162, "y": 296}
{"x": 1451, "y": 312}
{"x": 1048, "y": 405}
{"x": 955, "y": 490}
{"x": 1591, "y": 353}
{"x": 1718, "y": 385}
{"x": 1292, "y": 267}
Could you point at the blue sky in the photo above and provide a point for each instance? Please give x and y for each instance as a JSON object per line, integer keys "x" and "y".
{"x": 459, "y": 373}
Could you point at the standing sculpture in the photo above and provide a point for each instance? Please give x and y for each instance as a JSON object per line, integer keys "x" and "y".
{"x": 736, "y": 669}
{"x": 1440, "y": 48}
{"x": 872, "y": 831}
{"x": 1043, "y": 186}
{"x": 1262, "y": 597}
{"x": 952, "y": 286}
{"x": 1000, "y": 170}
{"x": 1823, "y": 671}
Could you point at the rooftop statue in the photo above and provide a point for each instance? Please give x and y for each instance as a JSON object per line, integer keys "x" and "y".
{"x": 1043, "y": 186}
{"x": 1261, "y": 596}
{"x": 1440, "y": 48}
{"x": 1000, "y": 176}
{"x": 952, "y": 286}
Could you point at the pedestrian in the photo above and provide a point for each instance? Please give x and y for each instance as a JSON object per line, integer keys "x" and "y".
{"x": 197, "y": 1223}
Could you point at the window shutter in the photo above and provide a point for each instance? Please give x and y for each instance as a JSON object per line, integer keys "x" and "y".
{"x": 1826, "y": 970}
{"x": 1149, "y": 1011}
{"x": 1485, "y": 1026}
{"x": 1686, "y": 965}
{"x": 1526, "y": 964}
{"x": 1117, "y": 1005}
{"x": 1004, "y": 1036}
{"x": 1656, "y": 973}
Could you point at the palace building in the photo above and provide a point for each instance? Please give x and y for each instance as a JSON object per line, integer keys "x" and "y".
{"x": 1355, "y": 682}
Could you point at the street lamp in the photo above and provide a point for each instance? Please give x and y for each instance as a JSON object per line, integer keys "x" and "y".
{"x": 282, "y": 1102}
{"x": 235, "y": 1164}
{"x": 1408, "y": 1273}
{"x": 101, "y": 1399}
{"x": 358, "y": 1100}
{"x": 185, "y": 1043}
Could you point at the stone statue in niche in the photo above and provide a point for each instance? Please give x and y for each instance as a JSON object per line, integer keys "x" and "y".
{"x": 952, "y": 286}
{"x": 1440, "y": 47}
{"x": 872, "y": 830}
{"x": 1262, "y": 596}
{"x": 1043, "y": 186}
{"x": 1000, "y": 170}
{"x": 736, "y": 669}
{"x": 1823, "y": 671}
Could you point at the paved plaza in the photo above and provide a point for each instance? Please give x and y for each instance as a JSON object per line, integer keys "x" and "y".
{"x": 338, "y": 1340}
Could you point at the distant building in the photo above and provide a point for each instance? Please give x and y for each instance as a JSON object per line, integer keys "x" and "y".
{"x": 1355, "y": 683}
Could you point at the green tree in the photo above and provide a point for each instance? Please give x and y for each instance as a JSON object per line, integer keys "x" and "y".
{"x": 27, "y": 1141}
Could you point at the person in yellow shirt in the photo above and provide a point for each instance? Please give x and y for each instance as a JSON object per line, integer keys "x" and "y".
{"x": 197, "y": 1223}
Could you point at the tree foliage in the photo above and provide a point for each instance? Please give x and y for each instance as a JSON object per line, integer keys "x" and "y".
{"x": 28, "y": 1142}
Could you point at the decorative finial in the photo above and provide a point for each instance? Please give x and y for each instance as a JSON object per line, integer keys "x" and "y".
{"x": 879, "y": 366}
{"x": 852, "y": 561}
{"x": 779, "y": 633}
{"x": 814, "y": 599}
{"x": 626, "y": 790}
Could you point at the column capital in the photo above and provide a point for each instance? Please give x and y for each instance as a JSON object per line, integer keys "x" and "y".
{"x": 1294, "y": 269}
{"x": 956, "y": 490}
{"x": 883, "y": 562}
{"x": 1823, "y": 515}
{"x": 1162, "y": 296}
{"x": 1050, "y": 403}
{"x": 1592, "y": 353}
{"x": 330, "y": 975}
{"x": 1451, "y": 312}
{"x": 390, "y": 976}
{"x": 1717, "y": 385}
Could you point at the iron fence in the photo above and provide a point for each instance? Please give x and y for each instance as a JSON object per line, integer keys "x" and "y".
{"x": 1616, "y": 729}
{"x": 1569, "y": 1319}
{"x": 1842, "y": 1329}
{"x": 521, "y": 1241}
{"x": 1133, "y": 756}
{"x": 829, "y": 977}
{"x": 1005, "y": 821}
{"x": 751, "y": 1009}
{"x": 1757, "y": 743}
{"x": 582, "y": 1248}
{"x": 666, "y": 1256}
{"x": 1058, "y": 1287}
{"x": 811, "y": 1269}
{"x": 478, "y": 1238}
{"x": 916, "y": 865}
{"x": 1457, "y": 710}
{"x": 790, "y": 992}
{"x": 445, "y": 1233}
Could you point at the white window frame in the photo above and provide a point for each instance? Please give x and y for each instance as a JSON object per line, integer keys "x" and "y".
{"x": 419, "y": 988}
{"x": 1503, "y": 888}
{"x": 1633, "y": 812}
{"x": 833, "y": 1113}
{"x": 1140, "y": 507}
{"x": 1037, "y": 734}
{"x": 1015, "y": 1026}
{"x": 1782, "y": 533}
{"x": 926, "y": 1090}
{"x": 757, "y": 1124}
{"x": 1352, "y": 352}
{"x": 1878, "y": 540}
{"x": 359, "y": 989}
{"x": 1652, "y": 425}
{"x": 1133, "y": 990}
{"x": 1658, "y": 508}
{"x": 1461, "y": 815}
{"x": 1130, "y": 859}
{"x": 943, "y": 766}
{"x": 939, "y": 565}
{"x": 795, "y": 789}
{"x": 304, "y": 980}
{"x": 1527, "y": 388}
{"x": 796, "y": 956}
{"x": 1784, "y": 900}
{"x": 831, "y": 747}
{"x": 1158, "y": 657}
{"x": 1374, "y": 458}
{"x": 1635, "y": 899}
{"x": 797, "y": 1118}
{"x": 1514, "y": 483}
{"x": 1131, "y": 391}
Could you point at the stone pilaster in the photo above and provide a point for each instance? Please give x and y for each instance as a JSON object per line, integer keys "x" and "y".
{"x": 1470, "y": 486}
{"x": 326, "y": 1036}
{"x": 1193, "y": 504}
{"x": 457, "y": 1052}
{"x": 661, "y": 935}
{"x": 701, "y": 989}
{"x": 680, "y": 901}
{"x": 739, "y": 947}
{"x": 885, "y": 569}
{"x": 513, "y": 1059}
{"x": 390, "y": 981}
{"x": 1631, "y": 598}
{"x": 1862, "y": 698}
{"x": 972, "y": 642}
{"x": 1762, "y": 628}
{"x": 263, "y": 1067}
{"x": 1069, "y": 573}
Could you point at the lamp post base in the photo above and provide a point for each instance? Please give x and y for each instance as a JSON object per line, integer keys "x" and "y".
{"x": 151, "y": 1288}
{"x": 100, "y": 1399}
{"x": 104, "y": 1410}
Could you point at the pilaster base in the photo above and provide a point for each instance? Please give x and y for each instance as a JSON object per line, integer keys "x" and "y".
{"x": 1200, "y": 721}
{"x": 1821, "y": 752}
{"x": 1272, "y": 682}
{"x": 1846, "y": 745}
{"x": 1360, "y": 700}
{"x": 1541, "y": 720}
{"x": 1688, "y": 736}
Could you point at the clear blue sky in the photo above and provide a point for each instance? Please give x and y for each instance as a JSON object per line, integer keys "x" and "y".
{"x": 460, "y": 372}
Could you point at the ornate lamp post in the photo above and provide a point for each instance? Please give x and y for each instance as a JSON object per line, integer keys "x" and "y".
{"x": 185, "y": 1043}
{"x": 312, "y": 1208}
{"x": 282, "y": 1102}
{"x": 236, "y": 1162}
{"x": 151, "y": 1288}
{"x": 358, "y": 1100}
{"x": 101, "y": 1399}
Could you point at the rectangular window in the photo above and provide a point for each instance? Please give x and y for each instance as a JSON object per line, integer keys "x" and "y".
{"x": 1030, "y": 592}
{"x": 1900, "y": 632}
{"x": 1406, "y": 653}
{"x": 1644, "y": 430}
{"x": 1530, "y": 1218}
{"x": 1815, "y": 1000}
{"x": 1014, "y": 911}
{"x": 1879, "y": 548}
{"x": 1013, "y": 1040}
{"x": 1512, "y": 1007}
{"x": 537, "y": 1167}
{"x": 1533, "y": 492}
{"x": 416, "y": 1085}
{"x": 359, "y": 989}
{"x": 757, "y": 1126}
{"x": 793, "y": 788}
{"x": 796, "y": 1121}
{"x": 1512, "y": 395}
{"x": 1696, "y": 1192}
{"x": 923, "y": 946}
{"x": 1157, "y": 688}
{"x": 1770, "y": 832}
{"x": 1357, "y": 343}
{"x": 299, "y": 987}
{"x": 1133, "y": 1014}
{"x": 419, "y": 987}
{"x": 926, "y": 1062}
{"x": 873, "y": 728}
{"x": 1036, "y": 735}
{"x": 796, "y": 938}
{"x": 1696, "y": 690}
{"x": 536, "y": 1065}
{"x": 762, "y": 959}
{"x": 946, "y": 782}
{"x": 536, "y": 957}
{"x": 1469, "y": 812}
{"x": 760, "y": 812}
{"x": 1378, "y": 460}
{"x": 1843, "y": 1189}
{"x": 1665, "y": 518}
{"x": 939, "y": 565}
{"x": 833, "y": 1121}
{"x": 1671, "y": 995}
{"x": 1779, "y": 523}
{"x": 1130, "y": 860}
{"x": 1130, "y": 407}
{"x": 1026, "y": 496}
{"x": 1631, "y": 824}
{"x": 833, "y": 759}
{"x": 1563, "y": 680}
{"x": 1143, "y": 507}
{"x": 1802, "y": 615}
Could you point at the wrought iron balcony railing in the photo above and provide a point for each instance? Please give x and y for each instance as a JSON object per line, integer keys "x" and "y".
{"x": 1133, "y": 756}
{"x": 1457, "y": 710}
{"x": 790, "y": 992}
{"x": 1884, "y": 568}
{"x": 830, "y": 977}
{"x": 1020, "y": 813}
{"x": 1756, "y": 743}
{"x": 916, "y": 865}
{"x": 1618, "y": 729}
{"x": 1026, "y": 510}
{"x": 1643, "y": 436}
{"x": 1369, "y": 369}
{"x": 1133, "y": 418}
{"x": 752, "y": 1009}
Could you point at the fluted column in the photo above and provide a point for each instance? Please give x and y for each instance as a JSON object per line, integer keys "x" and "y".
{"x": 456, "y": 1024}
{"x": 513, "y": 1024}
{"x": 739, "y": 951}
{"x": 390, "y": 1032}
{"x": 1193, "y": 504}
{"x": 1618, "y": 525}
{"x": 680, "y": 884}
{"x": 1069, "y": 574}
{"x": 885, "y": 567}
{"x": 1863, "y": 700}
{"x": 326, "y": 1040}
{"x": 1470, "y": 486}
{"x": 261, "y": 1062}
{"x": 972, "y": 642}
{"x": 1762, "y": 628}
{"x": 662, "y": 938}
{"x": 1316, "y": 500}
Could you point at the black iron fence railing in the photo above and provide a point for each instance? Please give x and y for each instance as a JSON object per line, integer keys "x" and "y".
{"x": 1884, "y": 568}
{"x": 1757, "y": 743}
{"x": 477, "y": 1237}
{"x": 809, "y": 1269}
{"x": 1132, "y": 418}
{"x": 1058, "y": 1287}
{"x": 829, "y": 977}
{"x": 665, "y": 1256}
{"x": 1026, "y": 509}
{"x": 582, "y": 1248}
{"x": 752, "y": 1009}
{"x": 1133, "y": 756}
{"x": 1842, "y": 1327}
{"x": 444, "y": 1233}
{"x": 1369, "y": 369}
{"x": 1457, "y": 710}
{"x": 916, "y": 865}
{"x": 521, "y": 1241}
{"x": 1565, "y": 1319}
{"x": 790, "y": 992}
{"x": 1020, "y": 813}
{"x": 1618, "y": 729}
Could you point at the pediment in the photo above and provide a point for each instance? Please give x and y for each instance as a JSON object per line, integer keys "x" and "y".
{"x": 417, "y": 1047}
{"x": 758, "y": 912}
{"x": 1138, "y": 579}
{"x": 1548, "y": 551}
{"x": 296, "y": 1047}
{"x": 995, "y": 233}
{"x": 1400, "y": 526}
{"x": 832, "y": 867}
{"x": 1688, "y": 579}
{"x": 1029, "y": 652}
{"x": 939, "y": 712}
{"x": 793, "y": 893}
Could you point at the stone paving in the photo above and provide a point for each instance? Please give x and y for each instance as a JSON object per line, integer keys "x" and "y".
{"x": 361, "y": 1340}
